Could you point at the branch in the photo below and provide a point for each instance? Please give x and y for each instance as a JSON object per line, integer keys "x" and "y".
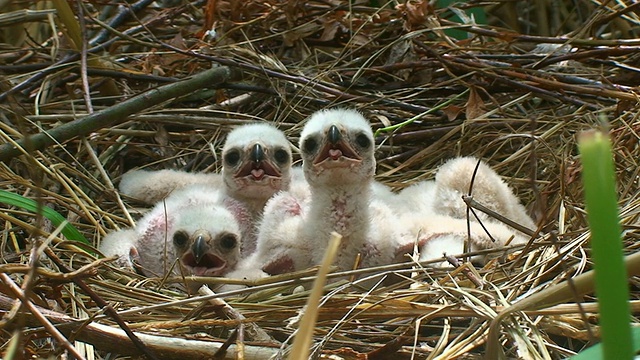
{"x": 114, "y": 114}
{"x": 114, "y": 340}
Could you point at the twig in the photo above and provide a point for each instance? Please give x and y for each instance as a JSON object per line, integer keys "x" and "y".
{"x": 516, "y": 37}
{"x": 40, "y": 317}
{"x": 123, "y": 14}
{"x": 254, "y": 331}
{"x": 82, "y": 272}
{"x": 472, "y": 203}
{"x": 103, "y": 305}
{"x": 83, "y": 59}
{"x": 24, "y": 15}
{"x": 117, "y": 113}
{"x": 304, "y": 335}
{"x": 465, "y": 269}
{"x": 114, "y": 340}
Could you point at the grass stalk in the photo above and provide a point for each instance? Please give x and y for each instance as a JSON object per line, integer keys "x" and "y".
{"x": 606, "y": 243}
{"x": 68, "y": 230}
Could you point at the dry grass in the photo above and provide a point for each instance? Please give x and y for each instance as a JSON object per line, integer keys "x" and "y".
{"x": 490, "y": 95}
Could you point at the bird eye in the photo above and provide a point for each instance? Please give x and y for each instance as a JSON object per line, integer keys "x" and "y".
{"x": 310, "y": 145}
{"x": 228, "y": 242}
{"x": 281, "y": 156}
{"x": 180, "y": 239}
{"x": 363, "y": 140}
{"x": 232, "y": 157}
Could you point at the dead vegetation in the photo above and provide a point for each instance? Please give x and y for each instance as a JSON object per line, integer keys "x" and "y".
{"x": 514, "y": 92}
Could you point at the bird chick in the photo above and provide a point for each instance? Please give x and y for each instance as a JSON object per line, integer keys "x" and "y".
{"x": 256, "y": 163}
{"x": 200, "y": 227}
{"x": 279, "y": 248}
{"x": 338, "y": 162}
{"x": 455, "y": 178}
{"x": 437, "y": 214}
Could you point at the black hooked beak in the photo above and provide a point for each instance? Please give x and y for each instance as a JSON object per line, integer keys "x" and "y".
{"x": 199, "y": 248}
{"x": 257, "y": 153}
{"x": 334, "y": 134}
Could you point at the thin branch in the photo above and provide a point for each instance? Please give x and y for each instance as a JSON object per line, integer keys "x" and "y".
{"x": 114, "y": 340}
{"x": 115, "y": 114}
{"x": 40, "y": 317}
{"x": 103, "y": 305}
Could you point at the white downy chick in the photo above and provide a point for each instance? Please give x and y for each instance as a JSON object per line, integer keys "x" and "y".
{"x": 201, "y": 227}
{"x": 152, "y": 186}
{"x": 338, "y": 162}
{"x": 453, "y": 180}
{"x": 256, "y": 165}
{"x": 279, "y": 247}
{"x": 437, "y": 215}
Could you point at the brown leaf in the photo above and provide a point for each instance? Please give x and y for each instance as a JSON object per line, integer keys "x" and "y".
{"x": 414, "y": 13}
{"x": 623, "y": 106}
{"x": 330, "y": 29}
{"x": 452, "y": 111}
{"x": 475, "y": 105}
{"x": 162, "y": 136}
{"x": 209, "y": 18}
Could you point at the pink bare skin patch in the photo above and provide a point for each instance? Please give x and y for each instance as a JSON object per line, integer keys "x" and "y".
{"x": 340, "y": 216}
{"x": 279, "y": 266}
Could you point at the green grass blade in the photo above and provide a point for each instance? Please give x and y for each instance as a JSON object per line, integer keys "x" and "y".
{"x": 611, "y": 282}
{"x": 69, "y": 231}
{"x": 419, "y": 116}
{"x": 595, "y": 352}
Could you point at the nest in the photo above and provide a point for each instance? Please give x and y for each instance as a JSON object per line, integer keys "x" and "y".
{"x": 507, "y": 91}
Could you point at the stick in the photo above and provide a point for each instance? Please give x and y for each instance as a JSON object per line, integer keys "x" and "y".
{"x": 115, "y": 114}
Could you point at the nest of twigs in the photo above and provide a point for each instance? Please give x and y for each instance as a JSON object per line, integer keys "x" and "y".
{"x": 79, "y": 110}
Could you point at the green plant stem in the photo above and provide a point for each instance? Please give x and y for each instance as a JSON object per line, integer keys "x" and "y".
{"x": 68, "y": 230}
{"x": 411, "y": 120}
{"x": 606, "y": 243}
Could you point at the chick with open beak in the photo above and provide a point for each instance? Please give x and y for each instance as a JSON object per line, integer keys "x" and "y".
{"x": 205, "y": 254}
{"x": 200, "y": 227}
{"x": 335, "y": 153}
{"x": 337, "y": 148}
{"x": 256, "y": 164}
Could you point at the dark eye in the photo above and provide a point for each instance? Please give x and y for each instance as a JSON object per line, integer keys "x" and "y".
{"x": 281, "y": 156}
{"x": 363, "y": 140}
{"x": 310, "y": 145}
{"x": 228, "y": 242}
{"x": 232, "y": 157}
{"x": 180, "y": 239}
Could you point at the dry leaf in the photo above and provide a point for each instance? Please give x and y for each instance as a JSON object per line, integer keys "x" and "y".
{"x": 383, "y": 119}
{"x": 452, "y": 111}
{"x": 475, "y": 105}
{"x": 330, "y": 29}
{"x": 414, "y": 13}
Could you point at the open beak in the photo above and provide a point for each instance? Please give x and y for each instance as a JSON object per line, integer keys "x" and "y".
{"x": 335, "y": 148}
{"x": 201, "y": 260}
{"x": 257, "y": 165}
